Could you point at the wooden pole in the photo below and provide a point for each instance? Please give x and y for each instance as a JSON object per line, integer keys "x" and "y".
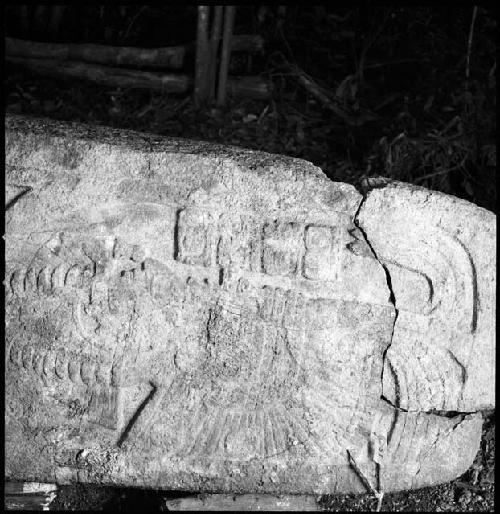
{"x": 229, "y": 13}
{"x": 250, "y": 87}
{"x": 214, "y": 48}
{"x": 202, "y": 51}
{"x": 168, "y": 57}
{"x": 107, "y": 75}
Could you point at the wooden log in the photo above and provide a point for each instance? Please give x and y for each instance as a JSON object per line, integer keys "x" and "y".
{"x": 248, "y": 87}
{"x": 161, "y": 58}
{"x": 107, "y": 75}
{"x": 244, "y": 502}
{"x": 29, "y": 495}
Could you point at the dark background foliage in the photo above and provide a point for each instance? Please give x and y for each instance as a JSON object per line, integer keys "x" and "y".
{"x": 417, "y": 85}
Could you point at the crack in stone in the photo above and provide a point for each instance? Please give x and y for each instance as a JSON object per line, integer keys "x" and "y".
{"x": 386, "y": 400}
{"x": 364, "y": 192}
{"x": 364, "y": 189}
{"x": 450, "y": 414}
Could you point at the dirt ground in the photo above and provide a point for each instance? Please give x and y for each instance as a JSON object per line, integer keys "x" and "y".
{"x": 285, "y": 125}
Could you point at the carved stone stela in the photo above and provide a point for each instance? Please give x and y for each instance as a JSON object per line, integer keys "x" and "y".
{"x": 183, "y": 315}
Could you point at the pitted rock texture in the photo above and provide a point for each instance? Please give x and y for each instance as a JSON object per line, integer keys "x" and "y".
{"x": 183, "y": 315}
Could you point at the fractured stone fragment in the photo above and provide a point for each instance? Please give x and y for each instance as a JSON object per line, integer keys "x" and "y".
{"x": 440, "y": 253}
{"x": 184, "y": 315}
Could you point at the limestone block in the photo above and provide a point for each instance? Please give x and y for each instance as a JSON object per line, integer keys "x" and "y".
{"x": 184, "y": 315}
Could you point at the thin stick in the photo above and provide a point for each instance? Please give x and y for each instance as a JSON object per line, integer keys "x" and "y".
{"x": 229, "y": 13}
{"x": 441, "y": 172}
{"x": 380, "y": 499}
{"x": 469, "y": 50}
{"x": 380, "y": 489}
{"x": 133, "y": 20}
{"x": 200, "y": 88}
{"x": 316, "y": 91}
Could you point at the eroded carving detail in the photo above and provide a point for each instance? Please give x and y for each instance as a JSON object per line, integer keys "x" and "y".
{"x": 48, "y": 280}
{"x": 196, "y": 237}
{"x": 276, "y": 248}
{"x": 319, "y": 259}
{"x": 61, "y": 364}
{"x": 282, "y": 248}
{"x": 435, "y": 280}
{"x": 254, "y": 337}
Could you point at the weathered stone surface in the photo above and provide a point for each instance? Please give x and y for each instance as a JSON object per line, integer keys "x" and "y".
{"x": 182, "y": 315}
{"x": 440, "y": 253}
